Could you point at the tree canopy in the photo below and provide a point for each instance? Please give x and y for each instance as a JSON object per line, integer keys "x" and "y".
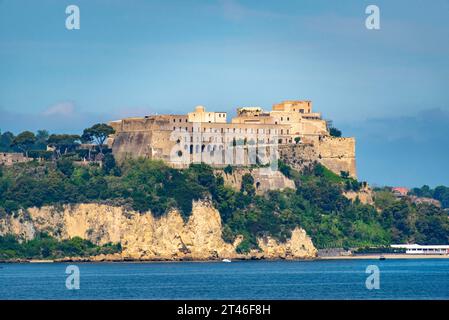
{"x": 334, "y": 132}
{"x": 24, "y": 141}
{"x": 317, "y": 205}
{"x": 98, "y": 133}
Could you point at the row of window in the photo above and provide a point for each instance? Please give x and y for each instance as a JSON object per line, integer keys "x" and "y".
{"x": 229, "y": 140}
{"x": 180, "y": 120}
{"x": 220, "y": 115}
{"x": 204, "y": 148}
{"x": 235, "y": 142}
{"x": 222, "y": 130}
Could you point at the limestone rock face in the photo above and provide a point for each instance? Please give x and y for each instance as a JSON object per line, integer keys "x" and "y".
{"x": 144, "y": 237}
{"x": 298, "y": 246}
{"x": 170, "y": 238}
{"x": 365, "y": 195}
{"x": 265, "y": 179}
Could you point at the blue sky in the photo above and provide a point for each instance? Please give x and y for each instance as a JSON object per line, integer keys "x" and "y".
{"x": 389, "y": 88}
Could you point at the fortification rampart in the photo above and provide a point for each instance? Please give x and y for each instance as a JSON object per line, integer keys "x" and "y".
{"x": 291, "y": 131}
{"x": 337, "y": 154}
{"x": 10, "y": 158}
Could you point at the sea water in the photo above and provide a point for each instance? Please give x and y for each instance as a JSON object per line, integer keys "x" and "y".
{"x": 321, "y": 279}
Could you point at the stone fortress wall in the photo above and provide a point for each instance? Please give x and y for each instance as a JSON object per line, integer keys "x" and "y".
{"x": 10, "y": 158}
{"x": 202, "y": 136}
{"x": 337, "y": 154}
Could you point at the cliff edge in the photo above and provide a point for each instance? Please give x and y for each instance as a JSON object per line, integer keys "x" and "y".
{"x": 144, "y": 237}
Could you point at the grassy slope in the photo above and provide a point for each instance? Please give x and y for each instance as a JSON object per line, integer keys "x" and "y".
{"x": 317, "y": 205}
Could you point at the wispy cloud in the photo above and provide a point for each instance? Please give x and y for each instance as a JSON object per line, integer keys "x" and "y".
{"x": 235, "y": 11}
{"x": 54, "y": 120}
{"x": 65, "y": 109}
{"x": 64, "y": 116}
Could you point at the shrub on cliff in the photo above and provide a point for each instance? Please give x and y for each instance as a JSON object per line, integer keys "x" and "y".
{"x": 318, "y": 204}
{"x": 334, "y": 132}
{"x": 46, "y": 247}
{"x": 440, "y": 193}
{"x": 248, "y": 184}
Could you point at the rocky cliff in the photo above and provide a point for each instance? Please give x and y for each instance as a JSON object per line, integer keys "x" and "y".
{"x": 265, "y": 179}
{"x": 144, "y": 237}
{"x": 365, "y": 195}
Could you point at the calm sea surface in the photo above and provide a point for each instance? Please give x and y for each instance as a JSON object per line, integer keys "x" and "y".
{"x": 342, "y": 279}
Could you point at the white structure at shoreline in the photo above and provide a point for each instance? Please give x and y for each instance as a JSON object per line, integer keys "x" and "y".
{"x": 422, "y": 249}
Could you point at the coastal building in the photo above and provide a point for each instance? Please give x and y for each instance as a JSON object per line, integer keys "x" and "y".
{"x": 400, "y": 191}
{"x": 254, "y": 136}
{"x": 423, "y": 249}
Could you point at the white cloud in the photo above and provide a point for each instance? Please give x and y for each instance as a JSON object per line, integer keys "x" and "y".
{"x": 61, "y": 117}
{"x": 64, "y": 117}
{"x": 60, "y": 109}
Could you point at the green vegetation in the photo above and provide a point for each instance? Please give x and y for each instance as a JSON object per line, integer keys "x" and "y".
{"x": 379, "y": 250}
{"x": 334, "y": 132}
{"x": 440, "y": 193}
{"x": 24, "y": 141}
{"x": 46, "y": 247}
{"x": 318, "y": 205}
{"x": 97, "y": 133}
{"x": 35, "y": 145}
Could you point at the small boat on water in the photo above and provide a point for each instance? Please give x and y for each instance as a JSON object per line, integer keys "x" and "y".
{"x": 382, "y": 257}
{"x": 226, "y": 260}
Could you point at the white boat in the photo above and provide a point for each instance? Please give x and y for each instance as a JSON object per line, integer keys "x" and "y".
{"x": 226, "y": 260}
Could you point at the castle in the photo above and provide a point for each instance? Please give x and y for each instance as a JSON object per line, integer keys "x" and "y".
{"x": 291, "y": 131}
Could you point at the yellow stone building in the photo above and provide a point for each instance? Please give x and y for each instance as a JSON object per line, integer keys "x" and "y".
{"x": 254, "y": 136}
